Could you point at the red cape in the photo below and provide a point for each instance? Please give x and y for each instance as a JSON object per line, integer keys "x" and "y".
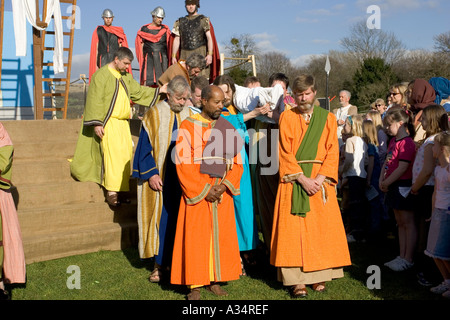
{"x": 141, "y": 36}
{"x": 214, "y": 67}
{"x": 118, "y": 31}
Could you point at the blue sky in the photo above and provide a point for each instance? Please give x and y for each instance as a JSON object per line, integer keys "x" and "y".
{"x": 297, "y": 28}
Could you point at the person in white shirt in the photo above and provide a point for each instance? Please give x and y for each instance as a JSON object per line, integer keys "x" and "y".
{"x": 353, "y": 173}
{"x": 345, "y": 110}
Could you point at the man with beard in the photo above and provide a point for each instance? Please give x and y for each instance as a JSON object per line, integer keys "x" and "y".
{"x": 244, "y": 205}
{"x": 104, "y": 147}
{"x": 309, "y": 245}
{"x": 151, "y": 48}
{"x": 106, "y": 40}
{"x": 206, "y": 250}
{"x": 159, "y": 191}
{"x": 194, "y": 33}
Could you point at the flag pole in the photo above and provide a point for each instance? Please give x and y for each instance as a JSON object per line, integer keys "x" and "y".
{"x": 327, "y": 70}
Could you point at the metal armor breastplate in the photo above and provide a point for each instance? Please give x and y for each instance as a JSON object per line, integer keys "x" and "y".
{"x": 192, "y": 35}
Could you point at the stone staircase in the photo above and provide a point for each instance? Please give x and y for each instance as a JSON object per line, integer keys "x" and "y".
{"x": 59, "y": 216}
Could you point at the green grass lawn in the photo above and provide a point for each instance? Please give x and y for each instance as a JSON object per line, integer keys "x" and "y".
{"x": 122, "y": 275}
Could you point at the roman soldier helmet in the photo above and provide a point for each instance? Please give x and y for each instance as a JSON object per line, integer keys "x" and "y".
{"x": 196, "y": 2}
{"x": 107, "y": 13}
{"x": 158, "y": 12}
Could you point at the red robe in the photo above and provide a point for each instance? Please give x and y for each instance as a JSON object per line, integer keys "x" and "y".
{"x": 141, "y": 36}
{"x": 118, "y": 31}
{"x": 214, "y": 66}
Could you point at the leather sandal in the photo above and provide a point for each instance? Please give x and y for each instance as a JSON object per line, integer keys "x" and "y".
{"x": 155, "y": 276}
{"x": 217, "y": 290}
{"x": 243, "y": 273}
{"x": 298, "y": 292}
{"x": 112, "y": 199}
{"x": 194, "y": 294}
{"x": 318, "y": 287}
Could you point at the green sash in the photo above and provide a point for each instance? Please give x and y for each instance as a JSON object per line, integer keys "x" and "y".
{"x": 308, "y": 151}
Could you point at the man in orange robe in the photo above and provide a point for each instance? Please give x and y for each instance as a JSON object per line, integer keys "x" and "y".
{"x": 206, "y": 249}
{"x": 309, "y": 244}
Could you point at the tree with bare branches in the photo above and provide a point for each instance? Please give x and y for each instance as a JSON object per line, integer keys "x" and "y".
{"x": 442, "y": 42}
{"x": 366, "y": 43}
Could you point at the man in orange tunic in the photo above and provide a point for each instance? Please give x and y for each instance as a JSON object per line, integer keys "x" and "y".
{"x": 206, "y": 249}
{"x": 308, "y": 245}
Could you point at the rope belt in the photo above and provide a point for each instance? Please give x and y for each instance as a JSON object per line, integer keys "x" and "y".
{"x": 293, "y": 177}
{"x": 229, "y": 163}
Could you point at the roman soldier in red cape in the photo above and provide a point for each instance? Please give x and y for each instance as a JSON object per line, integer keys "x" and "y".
{"x": 106, "y": 39}
{"x": 194, "y": 33}
{"x": 152, "y": 41}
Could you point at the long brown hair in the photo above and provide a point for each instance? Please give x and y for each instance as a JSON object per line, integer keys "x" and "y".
{"x": 435, "y": 116}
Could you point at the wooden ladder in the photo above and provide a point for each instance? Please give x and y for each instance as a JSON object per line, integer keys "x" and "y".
{"x": 49, "y": 92}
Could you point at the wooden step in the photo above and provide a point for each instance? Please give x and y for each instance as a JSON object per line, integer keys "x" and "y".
{"x": 42, "y": 130}
{"x": 62, "y": 193}
{"x": 45, "y": 149}
{"x": 78, "y": 241}
{"x": 57, "y": 193}
{"x": 59, "y": 216}
{"x": 26, "y": 171}
{"x": 50, "y": 219}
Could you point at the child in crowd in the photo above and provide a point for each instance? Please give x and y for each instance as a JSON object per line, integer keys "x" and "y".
{"x": 438, "y": 246}
{"x": 354, "y": 171}
{"x": 374, "y": 195}
{"x": 382, "y": 137}
{"x": 395, "y": 181}
{"x": 423, "y": 185}
{"x": 343, "y": 182}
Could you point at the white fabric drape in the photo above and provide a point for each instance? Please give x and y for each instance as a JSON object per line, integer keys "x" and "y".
{"x": 26, "y": 10}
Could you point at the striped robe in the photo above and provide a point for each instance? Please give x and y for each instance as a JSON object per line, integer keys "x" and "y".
{"x": 157, "y": 210}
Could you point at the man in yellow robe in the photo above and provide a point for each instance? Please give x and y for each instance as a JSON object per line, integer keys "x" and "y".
{"x": 104, "y": 148}
{"x": 206, "y": 249}
{"x": 309, "y": 244}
